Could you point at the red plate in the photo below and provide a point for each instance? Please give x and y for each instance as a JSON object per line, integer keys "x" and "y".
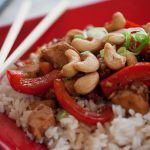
{"x": 97, "y": 14}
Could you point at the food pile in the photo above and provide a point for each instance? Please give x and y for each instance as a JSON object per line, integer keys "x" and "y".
{"x": 88, "y": 78}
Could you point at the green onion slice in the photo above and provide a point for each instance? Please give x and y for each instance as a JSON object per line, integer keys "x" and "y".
{"x": 101, "y": 53}
{"x": 61, "y": 114}
{"x": 67, "y": 79}
{"x": 86, "y": 52}
{"x": 142, "y": 38}
{"x": 123, "y": 51}
{"x": 79, "y": 36}
{"x": 127, "y": 39}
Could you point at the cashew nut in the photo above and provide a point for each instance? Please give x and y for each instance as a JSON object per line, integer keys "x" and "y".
{"x": 89, "y": 64}
{"x": 131, "y": 59}
{"x": 87, "y": 83}
{"x": 68, "y": 70}
{"x": 70, "y": 34}
{"x": 93, "y": 42}
{"x": 118, "y": 22}
{"x": 113, "y": 60}
{"x": 83, "y": 45}
{"x": 114, "y": 38}
{"x": 137, "y": 29}
{"x": 96, "y": 32}
{"x": 147, "y": 27}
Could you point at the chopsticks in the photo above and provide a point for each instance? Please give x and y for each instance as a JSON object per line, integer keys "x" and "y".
{"x": 14, "y": 30}
{"x": 46, "y": 22}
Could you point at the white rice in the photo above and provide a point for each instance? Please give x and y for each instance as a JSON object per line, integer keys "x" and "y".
{"x": 132, "y": 133}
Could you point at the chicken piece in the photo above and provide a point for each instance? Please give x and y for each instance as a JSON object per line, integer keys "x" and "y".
{"x": 104, "y": 71}
{"x": 49, "y": 103}
{"x": 30, "y": 68}
{"x": 134, "y": 96}
{"x": 39, "y": 50}
{"x": 55, "y": 53}
{"x": 40, "y": 119}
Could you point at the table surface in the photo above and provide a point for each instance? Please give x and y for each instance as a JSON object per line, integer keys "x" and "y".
{"x": 39, "y": 7}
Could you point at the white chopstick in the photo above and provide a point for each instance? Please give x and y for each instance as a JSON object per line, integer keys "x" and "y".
{"x": 46, "y": 22}
{"x": 14, "y": 30}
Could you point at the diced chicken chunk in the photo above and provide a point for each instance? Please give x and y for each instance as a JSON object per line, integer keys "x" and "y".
{"x": 134, "y": 96}
{"x": 104, "y": 71}
{"x": 55, "y": 53}
{"x": 40, "y": 119}
{"x": 49, "y": 103}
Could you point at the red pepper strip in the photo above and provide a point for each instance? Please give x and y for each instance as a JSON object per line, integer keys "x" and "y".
{"x": 34, "y": 86}
{"x": 83, "y": 115}
{"x": 130, "y": 24}
{"x": 13, "y": 138}
{"x": 140, "y": 71}
{"x": 45, "y": 67}
{"x": 147, "y": 83}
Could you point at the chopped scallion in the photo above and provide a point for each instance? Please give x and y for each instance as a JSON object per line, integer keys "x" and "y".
{"x": 85, "y": 52}
{"x": 80, "y": 36}
{"x": 102, "y": 53}
{"x": 142, "y": 38}
{"x": 67, "y": 79}
{"x": 61, "y": 114}
{"x": 123, "y": 51}
{"x": 127, "y": 39}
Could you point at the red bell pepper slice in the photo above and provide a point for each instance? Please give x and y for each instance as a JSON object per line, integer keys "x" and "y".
{"x": 140, "y": 71}
{"x": 34, "y": 86}
{"x": 13, "y": 138}
{"x": 147, "y": 83}
{"x": 45, "y": 67}
{"x": 130, "y": 24}
{"x": 83, "y": 115}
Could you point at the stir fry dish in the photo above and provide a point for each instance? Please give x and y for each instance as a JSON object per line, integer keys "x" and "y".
{"x": 90, "y": 85}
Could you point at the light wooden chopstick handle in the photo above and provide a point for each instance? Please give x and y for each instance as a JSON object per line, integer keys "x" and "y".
{"x": 14, "y": 30}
